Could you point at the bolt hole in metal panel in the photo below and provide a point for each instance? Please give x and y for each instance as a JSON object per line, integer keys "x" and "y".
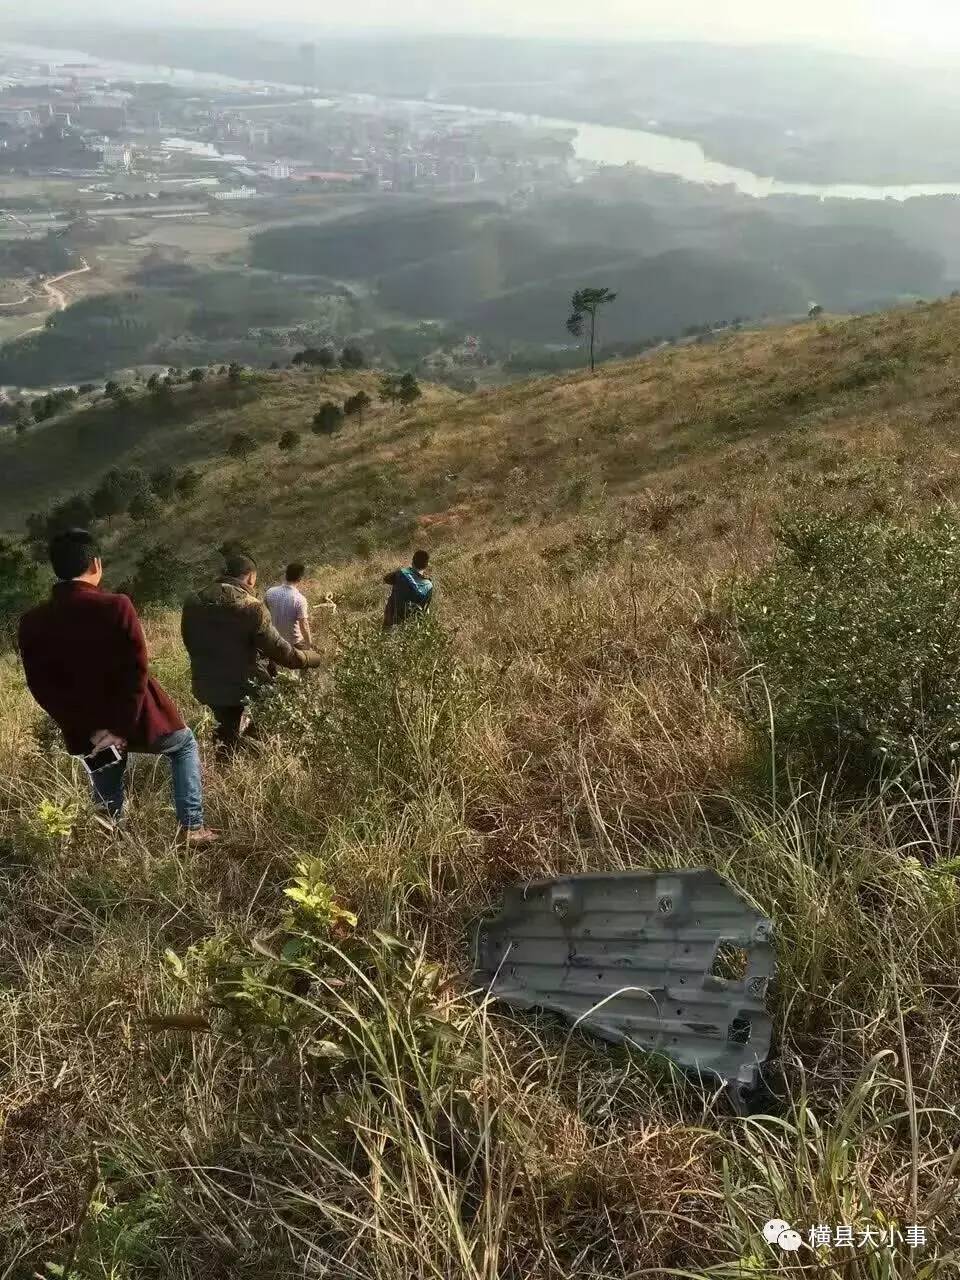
{"x": 611, "y": 951}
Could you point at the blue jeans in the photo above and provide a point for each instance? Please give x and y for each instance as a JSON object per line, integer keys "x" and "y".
{"x": 182, "y": 752}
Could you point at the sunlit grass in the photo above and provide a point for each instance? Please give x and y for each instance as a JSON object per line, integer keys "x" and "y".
{"x": 360, "y": 1111}
{"x": 438, "y": 1136}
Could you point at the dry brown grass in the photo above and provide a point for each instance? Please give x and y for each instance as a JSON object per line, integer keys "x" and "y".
{"x": 605, "y": 744}
{"x": 607, "y": 736}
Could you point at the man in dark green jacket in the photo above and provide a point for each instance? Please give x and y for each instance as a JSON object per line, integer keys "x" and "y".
{"x": 231, "y": 639}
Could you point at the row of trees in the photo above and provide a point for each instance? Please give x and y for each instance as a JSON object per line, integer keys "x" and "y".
{"x": 161, "y": 577}
{"x": 330, "y": 416}
{"x": 328, "y": 419}
{"x": 129, "y": 491}
{"x": 351, "y": 357}
{"x": 23, "y": 414}
{"x": 394, "y": 389}
{"x": 161, "y": 385}
{"x": 400, "y": 388}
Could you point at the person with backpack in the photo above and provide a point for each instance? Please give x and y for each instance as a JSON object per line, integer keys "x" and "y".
{"x": 231, "y": 640}
{"x": 85, "y": 660}
{"x": 411, "y": 591}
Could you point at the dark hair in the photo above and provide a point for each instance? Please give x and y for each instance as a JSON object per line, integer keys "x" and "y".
{"x": 421, "y": 559}
{"x": 238, "y": 565}
{"x": 295, "y": 571}
{"x": 72, "y": 552}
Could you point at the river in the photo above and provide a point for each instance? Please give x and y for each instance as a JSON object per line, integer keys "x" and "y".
{"x": 594, "y": 143}
{"x": 685, "y": 159}
{"x": 682, "y": 158}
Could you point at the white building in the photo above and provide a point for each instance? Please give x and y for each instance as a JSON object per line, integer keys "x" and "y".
{"x": 236, "y": 193}
{"x": 116, "y": 155}
{"x": 279, "y": 171}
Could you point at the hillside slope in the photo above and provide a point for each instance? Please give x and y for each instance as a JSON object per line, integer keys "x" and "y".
{"x": 270, "y": 1059}
{"x": 677, "y": 257}
{"x": 708, "y": 430}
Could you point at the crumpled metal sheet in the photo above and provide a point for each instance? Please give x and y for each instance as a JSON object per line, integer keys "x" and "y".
{"x": 670, "y": 962}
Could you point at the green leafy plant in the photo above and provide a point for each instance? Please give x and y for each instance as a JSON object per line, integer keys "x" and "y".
{"x": 352, "y": 356}
{"x": 853, "y": 639}
{"x": 53, "y": 822}
{"x": 391, "y": 715}
{"x": 21, "y": 585}
{"x": 145, "y": 507}
{"x": 188, "y": 482}
{"x": 400, "y": 388}
{"x": 364, "y": 1009}
{"x": 357, "y": 405}
{"x": 163, "y": 482}
{"x": 315, "y": 899}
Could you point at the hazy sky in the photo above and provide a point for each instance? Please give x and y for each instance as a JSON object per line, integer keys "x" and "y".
{"x": 865, "y": 24}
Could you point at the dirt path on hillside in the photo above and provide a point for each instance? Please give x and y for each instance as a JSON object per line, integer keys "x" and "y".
{"x": 56, "y": 297}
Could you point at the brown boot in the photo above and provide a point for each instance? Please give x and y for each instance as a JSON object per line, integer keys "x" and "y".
{"x": 200, "y": 837}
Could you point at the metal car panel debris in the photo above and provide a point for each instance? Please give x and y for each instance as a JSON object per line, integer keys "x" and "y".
{"x": 670, "y": 962}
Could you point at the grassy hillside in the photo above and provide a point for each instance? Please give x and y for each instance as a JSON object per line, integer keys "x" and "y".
{"x": 184, "y": 316}
{"x": 202, "y": 1075}
{"x": 68, "y": 454}
{"x": 856, "y": 408}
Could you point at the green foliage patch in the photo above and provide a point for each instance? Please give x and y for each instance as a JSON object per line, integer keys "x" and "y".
{"x": 389, "y": 717}
{"x": 853, "y": 634}
{"x": 21, "y": 585}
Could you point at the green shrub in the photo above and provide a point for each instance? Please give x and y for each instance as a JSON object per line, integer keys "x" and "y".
{"x": 328, "y": 418}
{"x": 356, "y": 406}
{"x": 163, "y": 482}
{"x": 353, "y": 357}
{"x": 853, "y": 630}
{"x": 21, "y": 585}
{"x": 400, "y": 389}
{"x": 145, "y": 507}
{"x": 161, "y": 578}
{"x": 391, "y": 715}
{"x": 187, "y": 482}
{"x": 241, "y": 445}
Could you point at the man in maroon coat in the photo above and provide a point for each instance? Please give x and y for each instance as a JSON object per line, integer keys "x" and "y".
{"x": 86, "y": 663}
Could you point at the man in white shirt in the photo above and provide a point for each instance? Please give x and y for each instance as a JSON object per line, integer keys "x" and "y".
{"x": 289, "y": 609}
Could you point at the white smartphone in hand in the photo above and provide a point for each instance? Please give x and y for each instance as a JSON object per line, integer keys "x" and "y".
{"x": 105, "y": 758}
